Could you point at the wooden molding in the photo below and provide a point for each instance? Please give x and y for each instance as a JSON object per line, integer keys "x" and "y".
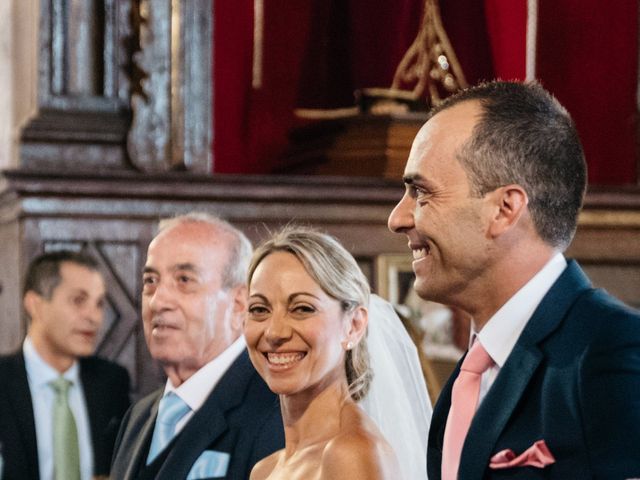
{"x": 172, "y": 106}
{"x": 83, "y": 91}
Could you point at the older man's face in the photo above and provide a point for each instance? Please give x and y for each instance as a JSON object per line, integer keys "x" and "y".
{"x": 187, "y": 315}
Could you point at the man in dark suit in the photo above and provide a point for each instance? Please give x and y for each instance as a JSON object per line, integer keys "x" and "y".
{"x": 64, "y": 297}
{"x": 215, "y": 417}
{"x": 550, "y": 386}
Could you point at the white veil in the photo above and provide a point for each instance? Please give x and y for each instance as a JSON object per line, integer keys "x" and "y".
{"x": 397, "y": 401}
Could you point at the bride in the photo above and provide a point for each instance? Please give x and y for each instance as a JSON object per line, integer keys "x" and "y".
{"x": 306, "y": 333}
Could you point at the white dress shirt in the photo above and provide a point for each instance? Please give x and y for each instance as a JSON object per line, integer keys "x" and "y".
{"x": 196, "y": 389}
{"x": 39, "y": 374}
{"x": 500, "y": 334}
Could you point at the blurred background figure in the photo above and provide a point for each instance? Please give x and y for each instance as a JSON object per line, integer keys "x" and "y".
{"x": 60, "y": 408}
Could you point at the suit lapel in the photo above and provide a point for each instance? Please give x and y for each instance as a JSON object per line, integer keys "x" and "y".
{"x": 209, "y": 423}
{"x": 510, "y": 384}
{"x": 94, "y": 399}
{"x": 20, "y": 396}
{"x": 139, "y": 449}
{"x": 496, "y": 409}
{"x": 438, "y": 424}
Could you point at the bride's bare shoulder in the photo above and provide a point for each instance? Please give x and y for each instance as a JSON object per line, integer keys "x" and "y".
{"x": 359, "y": 452}
{"x": 264, "y": 467}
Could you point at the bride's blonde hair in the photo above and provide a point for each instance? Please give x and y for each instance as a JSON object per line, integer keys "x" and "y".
{"x": 335, "y": 270}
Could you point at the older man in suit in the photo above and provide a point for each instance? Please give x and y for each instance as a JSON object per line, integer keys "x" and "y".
{"x": 60, "y": 408}
{"x": 549, "y": 388}
{"x": 215, "y": 417}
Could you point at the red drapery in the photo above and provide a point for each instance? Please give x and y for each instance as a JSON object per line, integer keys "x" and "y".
{"x": 588, "y": 57}
{"x": 317, "y": 52}
{"x": 315, "y": 55}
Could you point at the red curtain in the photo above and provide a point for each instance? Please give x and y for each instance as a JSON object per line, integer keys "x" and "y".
{"x": 588, "y": 57}
{"x": 315, "y": 55}
{"x": 317, "y": 52}
{"x": 507, "y": 26}
{"x": 489, "y": 37}
{"x": 233, "y": 40}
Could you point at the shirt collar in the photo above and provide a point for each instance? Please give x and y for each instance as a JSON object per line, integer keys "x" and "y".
{"x": 195, "y": 390}
{"x": 501, "y": 332}
{"x": 39, "y": 372}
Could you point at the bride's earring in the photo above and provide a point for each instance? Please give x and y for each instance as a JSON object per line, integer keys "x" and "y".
{"x": 349, "y": 346}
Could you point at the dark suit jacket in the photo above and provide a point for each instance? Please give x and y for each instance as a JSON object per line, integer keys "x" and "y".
{"x": 106, "y": 390}
{"x": 572, "y": 380}
{"x": 240, "y": 417}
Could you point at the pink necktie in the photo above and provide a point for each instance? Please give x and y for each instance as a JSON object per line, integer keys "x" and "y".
{"x": 464, "y": 400}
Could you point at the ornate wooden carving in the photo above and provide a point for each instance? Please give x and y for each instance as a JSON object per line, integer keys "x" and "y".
{"x": 83, "y": 91}
{"x": 172, "y": 126}
{"x": 430, "y": 66}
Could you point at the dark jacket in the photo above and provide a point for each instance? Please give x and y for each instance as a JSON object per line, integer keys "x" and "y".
{"x": 106, "y": 391}
{"x": 572, "y": 380}
{"x": 241, "y": 417}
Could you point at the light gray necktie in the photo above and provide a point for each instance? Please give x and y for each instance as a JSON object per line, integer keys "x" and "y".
{"x": 172, "y": 408}
{"x": 66, "y": 452}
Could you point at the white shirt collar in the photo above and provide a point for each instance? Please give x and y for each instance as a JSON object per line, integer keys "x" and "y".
{"x": 39, "y": 372}
{"x": 501, "y": 332}
{"x": 195, "y": 390}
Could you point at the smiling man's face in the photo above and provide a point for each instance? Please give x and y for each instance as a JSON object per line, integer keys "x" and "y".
{"x": 446, "y": 225}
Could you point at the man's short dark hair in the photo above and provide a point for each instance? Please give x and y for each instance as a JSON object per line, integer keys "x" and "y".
{"x": 525, "y": 137}
{"x": 43, "y": 273}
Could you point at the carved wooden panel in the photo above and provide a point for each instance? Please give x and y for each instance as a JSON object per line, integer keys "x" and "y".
{"x": 11, "y": 324}
{"x": 172, "y": 104}
{"x": 83, "y": 86}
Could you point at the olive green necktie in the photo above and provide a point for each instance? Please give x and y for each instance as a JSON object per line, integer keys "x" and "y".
{"x": 66, "y": 454}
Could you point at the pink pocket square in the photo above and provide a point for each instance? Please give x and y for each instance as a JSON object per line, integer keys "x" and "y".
{"x": 537, "y": 455}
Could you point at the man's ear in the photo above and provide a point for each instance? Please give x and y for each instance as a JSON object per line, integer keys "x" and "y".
{"x": 357, "y": 327}
{"x": 510, "y": 202}
{"x": 31, "y": 303}
{"x": 240, "y": 299}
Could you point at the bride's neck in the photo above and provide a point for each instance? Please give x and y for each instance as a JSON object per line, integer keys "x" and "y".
{"x": 313, "y": 415}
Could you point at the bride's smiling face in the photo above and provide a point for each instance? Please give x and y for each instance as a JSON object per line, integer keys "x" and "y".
{"x": 295, "y": 331}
